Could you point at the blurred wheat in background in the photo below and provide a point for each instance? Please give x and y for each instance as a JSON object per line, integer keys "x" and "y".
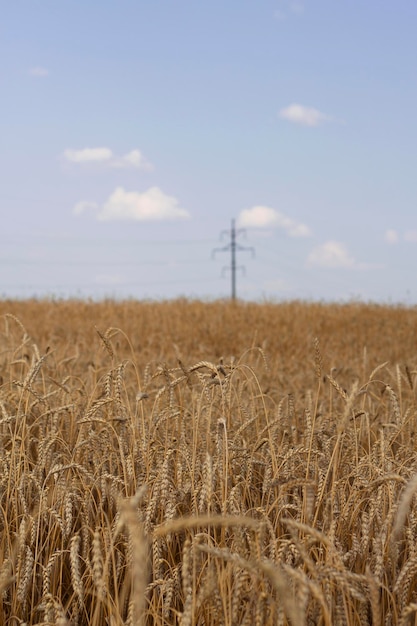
{"x": 207, "y": 463}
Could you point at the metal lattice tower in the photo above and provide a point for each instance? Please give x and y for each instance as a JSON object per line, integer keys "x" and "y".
{"x": 233, "y": 247}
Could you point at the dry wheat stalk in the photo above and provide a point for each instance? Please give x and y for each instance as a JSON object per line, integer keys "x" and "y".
{"x": 140, "y": 554}
{"x": 76, "y": 579}
{"x": 24, "y": 576}
{"x": 286, "y": 449}
{"x": 98, "y": 565}
{"x": 404, "y": 506}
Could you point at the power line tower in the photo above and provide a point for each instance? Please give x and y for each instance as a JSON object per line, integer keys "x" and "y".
{"x": 233, "y": 246}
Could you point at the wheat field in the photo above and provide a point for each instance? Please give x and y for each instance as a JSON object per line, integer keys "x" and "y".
{"x": 209, "y": 464}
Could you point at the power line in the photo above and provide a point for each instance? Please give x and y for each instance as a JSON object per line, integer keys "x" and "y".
{"x": 233, "y": 246}
{"x": 99, "y": 263}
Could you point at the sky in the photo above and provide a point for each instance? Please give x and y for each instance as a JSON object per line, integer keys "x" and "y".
{"x": 132, "y": 133}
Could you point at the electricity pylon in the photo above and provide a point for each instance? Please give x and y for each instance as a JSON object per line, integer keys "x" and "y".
{"x": 233, "y": 246}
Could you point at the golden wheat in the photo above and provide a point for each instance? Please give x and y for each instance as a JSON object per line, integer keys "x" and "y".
{"x": 207, "y": 463}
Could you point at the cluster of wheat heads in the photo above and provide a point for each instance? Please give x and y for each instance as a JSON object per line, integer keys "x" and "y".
{"x": 203, "y": 491}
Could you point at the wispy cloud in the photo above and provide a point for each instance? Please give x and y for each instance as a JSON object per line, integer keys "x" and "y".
{"x": 287, "y": 7}
{"x": 331, "y": 255}
{"x": 134, "y": 158}
{"x": 39, "y": 71}
{"x": 88, "y": 155}
{"x": 151, "y": 205}
{"x": 391, "y": 236}
{"x": 105, "y": 156}
{"x": 296, "y": 7}
{"x": 84, "y": 205}
{"x": 266, "y": 217}
{"x": 303, "y": 115}
{"x": 411, "y": 236}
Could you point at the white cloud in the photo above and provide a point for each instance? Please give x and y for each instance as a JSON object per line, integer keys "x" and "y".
{"x": 105, "y": 156}
{"x": 333, "y": 255}
{"x": 305, "y": 116}
{"x": 266, "y": 217}
{"x": 151, "y": 205}
{"x": 135, "y": 159}
{"x": 39, "y": 72}
{"x": 88, "y": 155}
{"x": 410, "y": 235}
{"x": 391, "y": 236}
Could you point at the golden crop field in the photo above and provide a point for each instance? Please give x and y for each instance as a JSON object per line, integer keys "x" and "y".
{"x": 209, "y": 464}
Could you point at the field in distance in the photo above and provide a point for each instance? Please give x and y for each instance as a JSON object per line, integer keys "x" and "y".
{"x": 207, "y": 464}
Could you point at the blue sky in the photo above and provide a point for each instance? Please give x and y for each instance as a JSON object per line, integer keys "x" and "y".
{"x": 133, "y": 132}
